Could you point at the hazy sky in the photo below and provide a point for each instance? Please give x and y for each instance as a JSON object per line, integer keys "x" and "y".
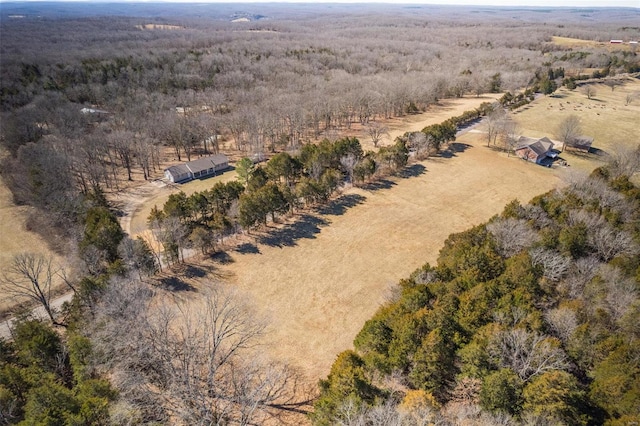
{"x": 545, "y": 3}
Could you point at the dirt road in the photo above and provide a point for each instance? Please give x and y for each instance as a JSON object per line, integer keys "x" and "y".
{"x": 39, "y": 312}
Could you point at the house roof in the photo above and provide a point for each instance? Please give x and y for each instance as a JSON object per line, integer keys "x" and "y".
{"x": 219, "y": 159}
{"x": 539, "y": 146}
{"x": 206, "y": 163}
{"x": 199, "y": 165}
{"x": 178, "y": 170}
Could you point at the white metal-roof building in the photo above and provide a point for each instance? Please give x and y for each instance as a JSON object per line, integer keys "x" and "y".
{"x": 197, "y": 169}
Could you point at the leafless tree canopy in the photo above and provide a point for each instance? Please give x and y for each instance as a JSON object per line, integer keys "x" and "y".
{"x": 528, "y": 353}
{"x": 194, "y": 362}
{"x": 555, "y": 265}
{"x": 376, "y": 131}
{"x": 512, "y": 235}
{"x": 568, "y": 130}
{"x": 30, "y": 276}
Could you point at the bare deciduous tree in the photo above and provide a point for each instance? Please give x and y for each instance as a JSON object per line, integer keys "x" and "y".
{"x": 628, "y": 99}
{"x": 562, "y": 321}
{"x": 588, "y": 90}
{"x": 568, "y": 130}
{"x": 612, "y": 83}
{"x": 421, "y": 144}
{"x": 512, "y": 235}
{"x": 30, "y": 276}
{"x": 494, "y": 124}
{"x": 582, "y": 271}
{"x": 192, "y": 361}
{"x": 510, "y": 135}
{"x": 621, "y": 292}
{"x": 376, "y": 131}
{"x": 610, "y": 242}
{"x": 527, "y": 353}
{"x": 554, "y": 264}
{"x": 349, "y": 162}
{"x": 625, "y": 161}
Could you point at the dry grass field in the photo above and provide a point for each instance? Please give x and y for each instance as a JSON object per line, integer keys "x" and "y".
{"x": 320, "y": 278}
{"x": 605, "y": 117}
{"x": 14, "y": 239}
{"x": 138, "y": 202}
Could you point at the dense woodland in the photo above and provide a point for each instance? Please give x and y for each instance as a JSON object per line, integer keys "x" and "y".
{"x": 532, "y": 316}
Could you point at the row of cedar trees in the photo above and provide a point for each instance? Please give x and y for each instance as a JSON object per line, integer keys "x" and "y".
{"x": 531, "y": 318}
{"x": 285, "y": 183}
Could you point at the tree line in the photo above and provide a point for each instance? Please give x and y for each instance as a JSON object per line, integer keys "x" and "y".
{"x": 283, "y": 184}
{"x": 287, "y": 182}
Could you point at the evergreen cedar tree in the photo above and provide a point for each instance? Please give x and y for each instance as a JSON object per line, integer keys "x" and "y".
{"x": 540, "y": 327}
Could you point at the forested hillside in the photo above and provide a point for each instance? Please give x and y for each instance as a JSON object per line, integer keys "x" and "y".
{"x": 530, "y": 318}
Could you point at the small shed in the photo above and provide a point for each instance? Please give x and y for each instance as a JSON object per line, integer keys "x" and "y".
{"x": 534, "y": 150}
{"x": 581, "y": 143}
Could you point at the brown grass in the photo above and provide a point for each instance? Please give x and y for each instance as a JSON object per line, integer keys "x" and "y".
{"x": 322, "y": 276}
{"x": 14, "y": 239}
{"x": 327, "y": 275}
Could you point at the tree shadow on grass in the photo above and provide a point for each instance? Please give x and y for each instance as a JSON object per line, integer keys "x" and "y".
{"x": 306, "y": 226}
{"x": 597, "y": 151}
{"x": 454, "y": 149}
{"x": 175, "y": 283}
{"x": 414, "y": 170}
{"x": 341, "y": 204}
{"x": 247, "y": 248}
{"x": 222, "y": 257}
{"x": 191, "y": 271}
{"x": 378, "y": 185}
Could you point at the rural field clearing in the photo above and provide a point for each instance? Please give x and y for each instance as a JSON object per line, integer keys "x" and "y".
{"x": 605, "y": 117}
{"x": 320, "y": 278}
{"x": 578, "y": 43}
{"x": 137, "y": 203}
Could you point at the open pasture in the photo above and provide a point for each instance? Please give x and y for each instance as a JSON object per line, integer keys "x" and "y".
{"x": 605, "y": 117}
{"x": 321, "y": 277}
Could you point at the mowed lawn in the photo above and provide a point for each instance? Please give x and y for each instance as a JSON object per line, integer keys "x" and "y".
{"x": 320, "y": 286}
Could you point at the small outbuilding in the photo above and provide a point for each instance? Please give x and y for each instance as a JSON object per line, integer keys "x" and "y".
{"x": 534, "y": 150}
{"x": 197, "y": 169}
{"x": 581, "y": 143}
